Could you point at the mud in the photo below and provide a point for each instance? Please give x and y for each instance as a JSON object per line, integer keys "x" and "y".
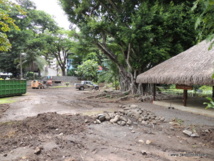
{"x": 58, "y": 124}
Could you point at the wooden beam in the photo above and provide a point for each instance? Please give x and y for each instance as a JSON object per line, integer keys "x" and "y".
{"x": 185, "y": 97}
{"x": 154, "y": 92}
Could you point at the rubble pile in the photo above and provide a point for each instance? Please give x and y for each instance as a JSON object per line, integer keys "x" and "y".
{"x": 129, "y": 115}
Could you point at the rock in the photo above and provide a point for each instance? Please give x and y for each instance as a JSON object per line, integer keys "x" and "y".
{"x": 95, "y": 122}
{"x": 195, "y": 135}
{"x": 187, "y": 132}
{"x": 143, "y": 152}
{"x": 5, "y": 155}
{"x": 98, "y": 121}
{"x": 123, "y": 118}
{"x": 101, "y": 117}
{"x": 115, "y": 119}
{"x": 133, "y": 106}
{"x": 144, "y": 123}
{"x": 129, "y": 122}
{"x": 108, "y": 117}
{"x": 38, "y": 150}
{"x": 123, "y": 123}
{"x": 133, "y": 131}
{"x": 61, "y": 134}
{"x": 148, "y": 142}
{"x": 86, "y": 121}
{"x": 207, "y": 131}
{"x": 141, "y": 141}
{"x": 162, "y": 119}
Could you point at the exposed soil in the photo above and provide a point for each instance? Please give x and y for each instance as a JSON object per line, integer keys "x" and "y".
{"x": 61, "y": 124}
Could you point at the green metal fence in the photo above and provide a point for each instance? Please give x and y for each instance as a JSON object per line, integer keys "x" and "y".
{"x": 12, "y": 87}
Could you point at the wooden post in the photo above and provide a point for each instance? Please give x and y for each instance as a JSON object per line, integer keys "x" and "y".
{"x": 185, "y": 97}
{"x": 154, "y": 92}
{"x": 213, "y": 92}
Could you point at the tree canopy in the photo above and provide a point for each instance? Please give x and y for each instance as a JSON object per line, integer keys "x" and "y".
{"x": 206, "y": 19}
{"x": 135, "y": 35}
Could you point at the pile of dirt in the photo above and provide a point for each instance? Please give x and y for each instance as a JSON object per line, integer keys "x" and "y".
{"x": 28, "y": 132}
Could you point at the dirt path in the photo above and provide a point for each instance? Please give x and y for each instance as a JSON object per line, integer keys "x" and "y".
{"x": 46, "y": 125}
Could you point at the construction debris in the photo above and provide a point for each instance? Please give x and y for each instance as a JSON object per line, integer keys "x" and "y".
{"x": 128, "y": 115}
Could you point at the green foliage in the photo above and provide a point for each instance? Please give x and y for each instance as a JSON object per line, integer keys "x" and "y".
{"x": 209, "y": 104}
{"x": 88, "y": 70}
{"x": 206, "y": 20}
{"x": 7, "y": 23}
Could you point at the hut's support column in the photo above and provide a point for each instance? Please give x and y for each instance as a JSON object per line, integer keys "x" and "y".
{"x": 185, "y": 97}
{"x": 213, "y": 92}
{"x": 154, "y": 92}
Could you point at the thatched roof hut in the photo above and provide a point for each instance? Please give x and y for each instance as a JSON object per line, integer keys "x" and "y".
{"x": 193, "y": 66}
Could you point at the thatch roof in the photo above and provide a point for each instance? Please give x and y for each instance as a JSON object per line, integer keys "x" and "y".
{"x": 193, "y": 66}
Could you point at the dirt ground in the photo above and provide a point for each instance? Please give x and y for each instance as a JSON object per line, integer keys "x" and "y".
{"x": 60, "y": 124}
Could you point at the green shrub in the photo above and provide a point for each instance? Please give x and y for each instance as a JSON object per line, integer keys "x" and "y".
{"x": 209, "y": 104}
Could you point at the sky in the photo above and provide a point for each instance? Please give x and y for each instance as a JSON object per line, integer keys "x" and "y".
{"x": 53, "y": 8}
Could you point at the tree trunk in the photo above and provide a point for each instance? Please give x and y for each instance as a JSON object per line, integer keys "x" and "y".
{"x": 63, "y": 71}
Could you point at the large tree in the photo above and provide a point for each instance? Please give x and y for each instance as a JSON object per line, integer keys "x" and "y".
{"x": 135, "y": 35}
{"x": 28, "y": 39}
{"x": 58, "y": 45}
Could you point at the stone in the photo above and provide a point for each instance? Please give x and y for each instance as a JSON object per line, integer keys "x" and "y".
{"x": 115, "y": 119}
{"x": 134, "y": 106}
{"x": 98, "y": 121}
{"x": 129, "y": 122}
{"x": 123, "y": 118}
{"x": 108, "y": 117}
{"x": 143, "y": 152}
{"x": 148, "y": 142}
{"x": 162, "y": 119}
{"x": 141, "y": 141}
{"x": 123, "y": 123}
{"x": 38, "y": 150}
{"x": 187, "y": 132}
{"x": 101, "y": 117}
{"x": 144, "y": 123}
{"x": 5, "y": 155}
{"x": 61, "y": 134}
{"x": 207, "y": 131}
{"x": 195, "y": 135}
{"x": 86, "y": 121}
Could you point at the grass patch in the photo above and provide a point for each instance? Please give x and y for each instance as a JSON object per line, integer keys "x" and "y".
{"x": 7, "y": 100}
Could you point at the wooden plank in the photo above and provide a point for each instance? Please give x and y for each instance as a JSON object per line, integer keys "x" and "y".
{"x": 185, "y": 87}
